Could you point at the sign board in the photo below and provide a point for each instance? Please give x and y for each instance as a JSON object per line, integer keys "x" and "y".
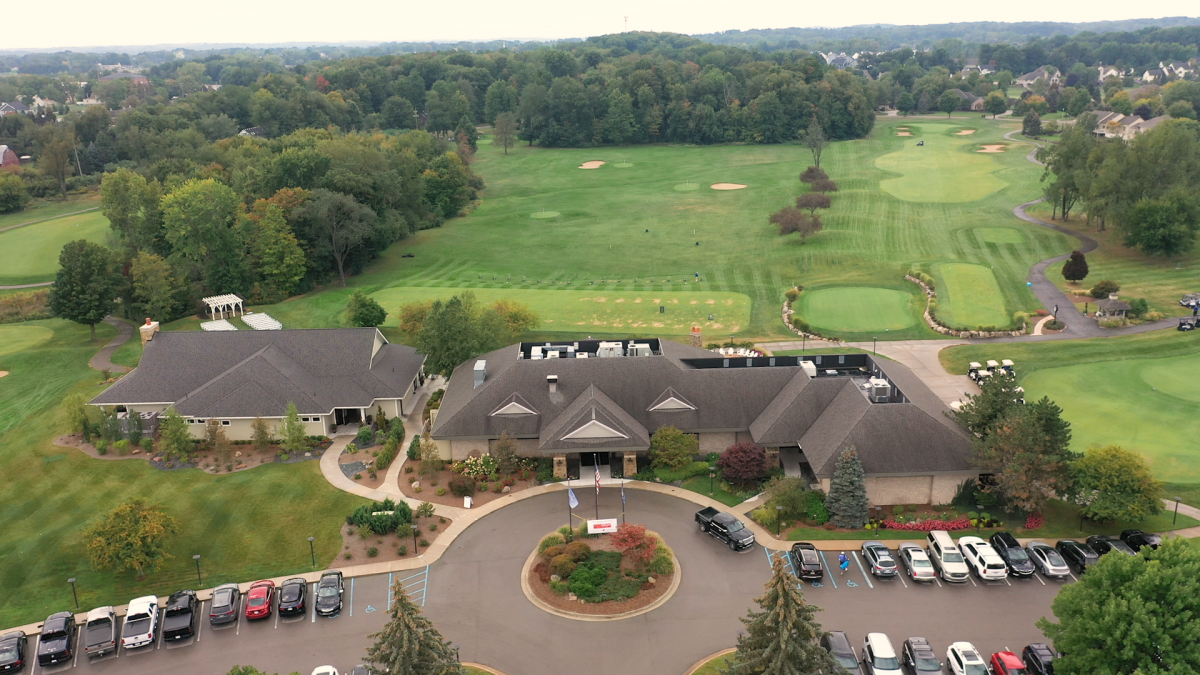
{"x": 602, "y": 526}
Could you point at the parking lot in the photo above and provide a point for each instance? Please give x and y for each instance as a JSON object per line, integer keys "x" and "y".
{"x": 473, "y": 595}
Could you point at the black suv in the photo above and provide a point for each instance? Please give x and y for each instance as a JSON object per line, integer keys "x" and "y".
{"x": 1077, "y": 556}
{"x": 806, "y": 562}
{"x": 179, "y": 621}
{"x": 1014, "y": 556}
{"x": 918, "y": 656}
{"x": 1138, "y": 540}
{"x": 1038, "y": 658}
{"x": 12, "y": 652}
{"x": 838, "y": 646}
{"x": 329, "y": 593}
{"x": 292, "y": 596}
{"x": 1102, "y": 544}
{"x": 58, "y": 637}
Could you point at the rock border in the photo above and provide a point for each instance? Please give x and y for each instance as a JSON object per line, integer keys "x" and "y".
{"x": 946, "y": 330}
{"x": 786, "y": 316}
{"x": 537, "y": 602}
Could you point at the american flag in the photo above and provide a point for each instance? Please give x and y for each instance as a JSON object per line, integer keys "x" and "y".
{"x": 597, "y": 467}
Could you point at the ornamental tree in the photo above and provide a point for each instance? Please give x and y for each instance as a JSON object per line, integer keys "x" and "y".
{"x": 813, "y": 173}
{"x": 635, "y": 542}
{"x": 174, "y": 439}
{"x": 1076, "y": 267}
{"x": 670, "y": 448}
{"x": 294, "y": 437}
{"x": 130, "y": 537}
{"x": 1119, "y": 483}
{"x": 813, "y": 201}
{"x": 847, "y": 499}
{"x": 743, "y": 464}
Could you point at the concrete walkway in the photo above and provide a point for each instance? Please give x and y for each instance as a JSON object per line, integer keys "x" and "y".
{"x": 101, "y": 360}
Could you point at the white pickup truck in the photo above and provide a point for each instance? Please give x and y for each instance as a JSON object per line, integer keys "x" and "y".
{"x": 141, "y": 622}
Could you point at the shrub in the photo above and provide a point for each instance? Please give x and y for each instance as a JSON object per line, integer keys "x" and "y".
{"x": 634, "y": 542}
{"x": 577, "y": 551}
{"x": 425, "y": 510}
{"x": 424, "y": 542}
{"x": 481, "y": 466}
{"x": 122, "y": 447}
{"x": 496, "y": 487}
{"x": 462, "y": 486}
{"x": 441, "y": 492}
{"x": 553, "y": 552}
{"x": 1138, "y": 308}
{"x": 375, "y": 518}
{"x": 800, "y": 324}
{"x": 670, "y": 448}
{"x": 102, "y": 446}
{"x": 560, "y": 587}
{"x": 365, "y": 436}
{"x": 661, "y": 563}
{"x": 347, "y": 555}
{"x": 551, "y": 540}
{"x": 1102, "y": 289}
{"x": 928, "y": 525}
{"x": 416, "y": 489}
{"x": 385, "y": 457}
{"x": 684, "y": 473}
{"x": 766, "y": 516}
{"x": 1117, "y": 322}
{"x": 1034, "y": 520}
{"x": 791, "y": 294}
{"x": 147, "y": 444}
{"x": 414, "y": 449}
{"x": 408, "y": 469}
{"x": 402, "y": 550}
{"x": 563, "y": 566}
{"x": 743, "y": 464}
{"x": 372, "y": 552}
{"x": 433, "y": 527}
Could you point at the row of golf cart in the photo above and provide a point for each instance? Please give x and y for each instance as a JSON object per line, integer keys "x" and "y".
{"x": 980, "y": 374}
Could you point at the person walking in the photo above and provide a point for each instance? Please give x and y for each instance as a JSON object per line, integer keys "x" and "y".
{"x": 843, "y": 562}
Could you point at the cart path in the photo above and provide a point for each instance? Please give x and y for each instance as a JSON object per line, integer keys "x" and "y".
{"x": 101, "y": 360}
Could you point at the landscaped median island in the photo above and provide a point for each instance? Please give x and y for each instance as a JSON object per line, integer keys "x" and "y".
{"x": 386, "y": 531}
{"x": 605, "y": 575}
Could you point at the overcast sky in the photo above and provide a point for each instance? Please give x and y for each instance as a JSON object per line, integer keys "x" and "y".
{"x": 142, "y": 22}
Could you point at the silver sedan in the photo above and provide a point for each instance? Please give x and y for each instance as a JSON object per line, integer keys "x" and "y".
{"x": 1047, "y": 559}
{"x": 916, "y": 562}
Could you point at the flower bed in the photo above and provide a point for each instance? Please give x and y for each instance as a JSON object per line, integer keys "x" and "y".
{"x": 928, "y": 525}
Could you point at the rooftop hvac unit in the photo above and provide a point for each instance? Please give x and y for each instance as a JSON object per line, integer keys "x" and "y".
{"x": 609, "y": 349}
{"x": 642, "y": 349}
{"x": 480, "y": 372}
{"x": 535, "y": 353}
{"x": 881, "y": 390}
{"x": 552, "y": 355}
{"x": 809, "y": 368}
{"x": 581, "y": 355}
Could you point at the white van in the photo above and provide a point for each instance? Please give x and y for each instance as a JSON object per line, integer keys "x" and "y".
{"x": 879, "y": 656}
{"x": 946, "y": 557}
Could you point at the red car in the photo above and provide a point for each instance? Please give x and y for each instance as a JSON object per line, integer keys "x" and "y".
{"x": 258, "y": 600}
{"x": 1008, "y": 663}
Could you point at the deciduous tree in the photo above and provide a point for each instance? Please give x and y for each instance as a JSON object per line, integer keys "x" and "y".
{"x": 412, "y": 316}
{"x": 813, "y": 174}
{"x": 504, "y": 133}
{"x": 275, "y": 254}
{"x": 906, "y": 103}
{"x": 174, "y": 439}
{"x": 409, "y": 644}
{"x": 671, "y": 448}
{"x": 743, "y": 464}
{"x": 1116, "y": 484}
{"x": 995, "y": 103}
{"x": 1075, "y": 269}
{"x": 635, "y": 542}
{"x": 337, "y": 225}
{"x": 262, "y": 436}
{"x": 814, "y": 138}
{"x": 1027, "y": 453}
{"x": 1031, "y": 125}
{"x": 86, "y": 284}
{"x": 55, "y": 145}
{"x": 1165, "y": 225}
{"x": 293, "y": 435}
{"x": 131, "y": 537}
{"x": 824, "y": 185}
{"x": 517, "y": 316}
{"x": 157, "y": 292}
{"x": 949, "y": 101}
{"x": 847, "y": 500}
{"x": 813, "y": 201}
{"x": 362, "y": 310}
{"x": 13, "y": 195}
{"x": 457, "y": 329}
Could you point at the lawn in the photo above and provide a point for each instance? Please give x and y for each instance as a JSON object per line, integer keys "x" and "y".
{"x": 857, "y": 309}
{"x": 54, "y": 492}
{"x": 1137, "y": 391}
{"x": 30, "y": 254}
{"x": 49, "y": 209}
{"x": 700, "y": 484}
{"x": 946, "y": 169}
{"x": 970, "y": 294}
{"x": 713, "y": 666}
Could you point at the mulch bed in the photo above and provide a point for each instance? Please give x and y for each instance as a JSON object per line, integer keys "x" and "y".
{"x": 649, "y": 593}
{"x": 387, "y": 545}
{"x": 429, "y": 493}
{"x": 204, "y": 459}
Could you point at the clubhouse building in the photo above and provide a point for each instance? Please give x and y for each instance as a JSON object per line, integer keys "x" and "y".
{"x": 335, "y": 376}
{"x": 591, "y": 403}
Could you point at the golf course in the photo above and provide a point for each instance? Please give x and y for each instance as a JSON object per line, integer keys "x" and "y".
{"x": 29, "y": 254}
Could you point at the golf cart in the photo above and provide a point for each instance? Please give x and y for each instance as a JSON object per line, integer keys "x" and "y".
{"x": 973, "y": 370}
{"x": 920, "y": 143}
{"x": 993, "y": 366}
{"x": 1190, "y": 300}
{"x": 1187, "y": 323}
{"x": 1020, "y": 391}
{"x": 1007, "y": 365}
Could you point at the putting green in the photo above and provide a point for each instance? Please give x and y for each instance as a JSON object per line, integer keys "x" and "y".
{"x": 1147, "y": 405}
{"x": 15, "y": 339}
{"x": 544, "y": 214}
{"x": 1000, "y": 235}
{"x": 600, "y": 310}
{"x": 969, "y": 296}
{"x": 943, "y": 170}
{"x": 857, "y": 309}
{"x": 30, "y": 254}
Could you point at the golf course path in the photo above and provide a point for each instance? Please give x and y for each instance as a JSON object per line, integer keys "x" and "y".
{"x": 12, "y": 288}
{"x": 101, "y": 360}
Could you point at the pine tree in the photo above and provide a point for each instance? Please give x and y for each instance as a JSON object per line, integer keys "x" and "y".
{"x": 782, "y": 639}
{"x": 409, "y": 644}
{"x": 847, "y": 500}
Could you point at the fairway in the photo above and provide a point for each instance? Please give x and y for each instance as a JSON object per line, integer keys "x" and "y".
{"x": 946, "y": 169}
{"x": 601, "y": 311}
{"x": 15, "y": 339}
{"x": 1147, "y": 405}
{"x": 30, "y": 254}
{"x": 857, "y": 309}
{"x": 1000, "y": 235}
{"x": 969, "y": 296}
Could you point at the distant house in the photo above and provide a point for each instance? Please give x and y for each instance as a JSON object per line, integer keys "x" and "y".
{"x": 253, "y": 131}
{"x": 1177, "y": 68}
{"x": 1142, "y": 126}
{"x": 1108, "y": 71}
{"x": 1108, "y": 124}
{"x": 1156, "y": 75}
{"x": 1041, "y": 73}
{"x": 9, "y": 160}
{"x": 969, "y": 100}
{"x": 839, "y": 60}
{"x": 134, "y": 78}
{"x": 13, "y": 108}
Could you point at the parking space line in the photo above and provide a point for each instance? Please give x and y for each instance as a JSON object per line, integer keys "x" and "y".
{"x": 1006, "y": 581}
{"x": 277, "y": 618}
{"x": 425, "y": 591}
{"x": 1072, "y": 576}
{"x": 901, "y": 577}
{"x": 238, "y": 630}
{"x": 972, "y": 581}
{"x": 200, "y": 621}
{"x": 314, "y": 602}
{"x": 1039, "y": 578}
{"x": 78, "y": 649}
{"x": 938, "y": 581}
{"x": 162, "y": 613}
{"x": 389, "y": 602}
{"x": 825, "y": 563}
{"x": 862, "y": 569}
{"x": 351, "y": 596}
{"x": 409, "y": 577}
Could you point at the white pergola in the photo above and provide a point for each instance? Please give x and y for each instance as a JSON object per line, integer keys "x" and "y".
{"x": 219, "y": 304}
{"x": 259, "y": 321}
{"x": 218, "y": 325}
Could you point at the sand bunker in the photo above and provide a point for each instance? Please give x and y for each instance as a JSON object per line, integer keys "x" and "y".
{"x": 594, "y": 164}
{"x": 903, "y": 133}
{"x": 727, "y": 186}
{"x": 992, "y": 148}
{"x": 964, "y": 132}
{"x": 3, "y": 373}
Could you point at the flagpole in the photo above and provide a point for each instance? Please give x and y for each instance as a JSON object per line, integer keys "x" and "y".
{"x": 622, "y": 500}
{"x": 596, "y": 467}
{"x": 570, "y": 513}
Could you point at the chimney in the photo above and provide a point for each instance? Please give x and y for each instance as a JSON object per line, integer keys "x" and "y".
{"x": 552, "y": 380}
{"x": 148, "y": 330}
{"x": 1112, "y": 296}
{"x": 480, "y": 372}
{"x": 697, "y": 337}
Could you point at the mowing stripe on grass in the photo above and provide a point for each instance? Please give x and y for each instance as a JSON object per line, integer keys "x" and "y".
{"x": 970, "y": 296}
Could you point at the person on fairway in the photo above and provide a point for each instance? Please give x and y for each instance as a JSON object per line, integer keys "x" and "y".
{"x": 843, "y": 562}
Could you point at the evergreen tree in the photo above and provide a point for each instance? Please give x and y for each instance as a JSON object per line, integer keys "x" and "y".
{"x": 292, "y": 430}
{"x": 783, "y": 638}
{"x": 409, "y": 644}
{"x": 1032, "y": 124}
{"x": 847, "y": 500}
{"x": 135, "y": 429}
{"x": 1076, "y": 267}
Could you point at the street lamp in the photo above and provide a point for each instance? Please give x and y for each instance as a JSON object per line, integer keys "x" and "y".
{"x": 73, "y": 593}
{"x": 197, "y": 559}
{"x": 778, "y": 520}
{"x": 1176, "y": 516}
{"x": 415, "y": 530}
{"x": 713, "y": 474}
{"x": 312, "y": 552}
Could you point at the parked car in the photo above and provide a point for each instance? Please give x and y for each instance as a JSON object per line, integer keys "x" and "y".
{"x": 806, "y": 562}
{"x": 141, "y": 622}
{"x": 839, "y": 646}
{"x": 982, "y": 559}
{"x": 329, "y": 593}
{"x": 179, "y": 619}
{"x": 225, "y": 601}
{"x": 1078, "y": 556}
{"x": 946, "y": 557}
{"x": 1008, "y": 663}
{"x": 360, "y": 669}
{"x": 57, "y": 641}
{"x": 293, "y": 596}
{"x": 1038, "y": 658}
{"x": 1046, "y": 558}
{"x": 879, "y": 558}
{"x": 1009, "y": 549}
{"x": 916, "y": 562}
{"x": 100, "y": 632}
{"x": 1138, "y": 540}
{"x": 324, "y": 670}
{"x": 1102, "y": 544}
{"x": 725, "y": 528}
{"x": 259, "y": 599}
{"x": 12, "y": 651}
{"x": 963, "y": 659}
{"x": 918, "y": 656}
{"x": 879, "y": 657}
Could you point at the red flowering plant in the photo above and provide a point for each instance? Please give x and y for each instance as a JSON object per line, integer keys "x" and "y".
{"x": 928, "y": 525}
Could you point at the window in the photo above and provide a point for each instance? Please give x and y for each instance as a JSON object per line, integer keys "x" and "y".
{"x": 841, "y": 358}
{"x": 224, "y": 423}
{"x": 304, "y": 419}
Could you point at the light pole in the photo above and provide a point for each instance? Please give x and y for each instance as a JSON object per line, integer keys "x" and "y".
{"x": 73, "y": 593}
{"x": 1176, "y": 516}
{"x": 778, "y": 520}
{"x": 713, "y": 474}
{"x": 312, "y": 552}
{"x": 873, "y": 344}
{"x": 197, "y": 559}
{"x": 415, "y": 529}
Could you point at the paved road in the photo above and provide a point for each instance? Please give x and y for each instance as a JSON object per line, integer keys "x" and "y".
{"x": 20, "y": 286}
{"x": 101, "y": 360}
{"x": 473, "y": 595}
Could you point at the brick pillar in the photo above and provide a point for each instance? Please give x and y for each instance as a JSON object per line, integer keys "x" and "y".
{"x": 560, "y": 465}
{"x": 772, "y": 457}
{"x": 629, "y": 470}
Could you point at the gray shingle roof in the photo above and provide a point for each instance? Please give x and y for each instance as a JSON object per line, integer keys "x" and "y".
{"x": 250, "y": 373}
{"x": 593, "y": 406}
